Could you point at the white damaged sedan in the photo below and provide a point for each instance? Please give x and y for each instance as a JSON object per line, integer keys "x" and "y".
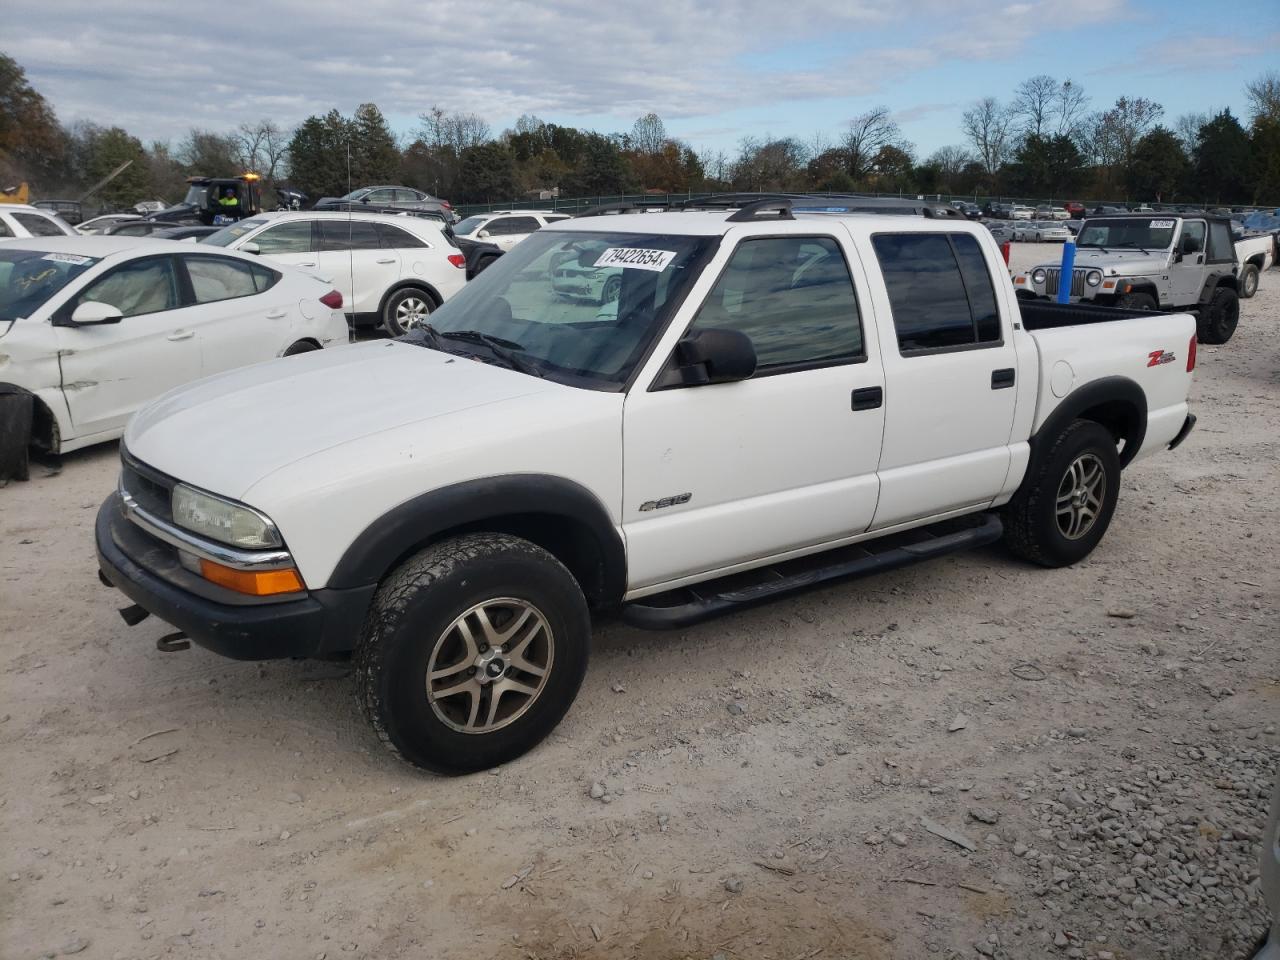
{"x": 91, "y": 328}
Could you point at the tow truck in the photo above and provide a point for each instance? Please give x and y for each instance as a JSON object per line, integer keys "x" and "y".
{"x": 202, "y": 204}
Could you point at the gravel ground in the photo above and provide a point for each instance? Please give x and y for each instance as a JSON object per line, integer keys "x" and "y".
{"x": 971, "y": 758}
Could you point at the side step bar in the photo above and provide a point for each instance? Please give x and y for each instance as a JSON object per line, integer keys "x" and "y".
{"x": 701, "y": 601}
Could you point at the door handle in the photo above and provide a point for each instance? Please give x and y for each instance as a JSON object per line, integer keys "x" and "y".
{"x": 867, "y": 398}
{"x": 386, "y": 260}
{"x": 306, "y": 263}
{"x": 1002, "y": 379}
{"x": 182, "y": 335}
{"x": 277, "y": 313}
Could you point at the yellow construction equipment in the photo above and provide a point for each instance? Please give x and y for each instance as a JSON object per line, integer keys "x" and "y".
{"x": 18, "y": 194}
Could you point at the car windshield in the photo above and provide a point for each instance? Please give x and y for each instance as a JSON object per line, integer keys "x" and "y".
{"x": 1130, "y": 233}
{"x": 576, "y": 307}
{"x": 468, "y": 226}
{"x": 29, "y": 278}
{"x": 230, "y": 234}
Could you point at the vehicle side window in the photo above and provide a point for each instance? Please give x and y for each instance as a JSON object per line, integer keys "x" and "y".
{"x": 393, "y": 238}
{"x": 404, "y": 196}
{"x": 521, "y": 225}
{"x": 292, "y": 237}
{"x": 929, "y": 290}
{"x": 794, "y": 297}
{"x": 4, "y": 229}
{"x": 555, "y": 217}
{"x": 216, "y": 278}
{"x": 498, "y": 227}
{"x": 264, "y": 278}
{"x": 147, "y": 285}
{"x": 1220, "y": 247}
{"x": 380, "y": 196}
{"x": 38, "y": 226}
{"x": 348, "y": 235}
{"x": 1192, "y": 237}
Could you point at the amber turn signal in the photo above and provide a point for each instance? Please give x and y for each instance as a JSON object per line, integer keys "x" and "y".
{"x": 256, "y": 583}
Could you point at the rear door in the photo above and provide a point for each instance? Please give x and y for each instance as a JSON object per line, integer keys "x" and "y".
{"x": 722, "y": 475}
{"x": 951, "y": 376}
{"x": 372, "y": 270}
{"x": 109, "y": 371}
{"x": 243, "y": 317}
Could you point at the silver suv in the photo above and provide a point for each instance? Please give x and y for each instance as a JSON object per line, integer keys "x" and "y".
{"x": 1151, "y": 262}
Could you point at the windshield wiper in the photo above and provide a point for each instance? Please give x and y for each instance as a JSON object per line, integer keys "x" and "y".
{"x": 505, "y": 350}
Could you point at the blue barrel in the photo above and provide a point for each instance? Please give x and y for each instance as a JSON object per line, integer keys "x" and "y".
{"x": 1068, "y": 266}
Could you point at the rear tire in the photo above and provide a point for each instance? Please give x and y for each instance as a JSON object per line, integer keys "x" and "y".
{"x": 1137, "y": 301}
{"x": 1248, "y": 281}
{"x": 1219, "y": 318}
{"x": 1064, "y": 506}
{"x": 436, "y": 625}
{"x": 406, "y": 309}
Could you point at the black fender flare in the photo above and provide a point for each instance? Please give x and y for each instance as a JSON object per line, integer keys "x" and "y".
{"x": 1125, "y": 400}
{"x": 472, "y": 503}
{"x": 1219, "y": 278}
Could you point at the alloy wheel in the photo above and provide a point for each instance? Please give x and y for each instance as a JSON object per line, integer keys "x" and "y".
{"x": 1080, "y": 496}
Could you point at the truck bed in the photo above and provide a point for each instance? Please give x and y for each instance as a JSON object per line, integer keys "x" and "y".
{"x": 1045, "y": 315}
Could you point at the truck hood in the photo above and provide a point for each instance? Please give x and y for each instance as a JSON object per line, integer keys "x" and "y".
{"x": 227, "y": 432}
{"x": 1125, "y": 263}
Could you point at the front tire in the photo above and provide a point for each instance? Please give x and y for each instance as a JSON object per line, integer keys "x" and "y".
{"x": 1137, "y": 301}
{"x": 1218, "y": 319}
{"x": 1064, "y": 506}
{"x": 406, "y": 309}
{"x": 1248, "y": 281}
{"x": 16, "y": 414}
{"x": 472, "y": 652}
{"x": 302, "y": 346}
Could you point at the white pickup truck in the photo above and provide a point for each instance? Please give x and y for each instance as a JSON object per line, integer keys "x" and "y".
{"x": 772, "y": 400}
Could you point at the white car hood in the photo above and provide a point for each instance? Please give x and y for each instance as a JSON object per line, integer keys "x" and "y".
{"x": 227, "y": 432}
{"x": 1125, "y": 262}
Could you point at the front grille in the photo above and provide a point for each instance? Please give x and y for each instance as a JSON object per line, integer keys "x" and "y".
{"x": 1051, "y": 282}
{"x": 150, "y": 488}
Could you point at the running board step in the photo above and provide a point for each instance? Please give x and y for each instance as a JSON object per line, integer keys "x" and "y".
{"x": 688, "y": 605}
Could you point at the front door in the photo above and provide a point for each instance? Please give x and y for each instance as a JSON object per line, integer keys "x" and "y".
{"x": 1186, "y": 276}
{"x": 721, "y": 475}
{"x": 951, "y": 376}
{"x": 109, "y": 371}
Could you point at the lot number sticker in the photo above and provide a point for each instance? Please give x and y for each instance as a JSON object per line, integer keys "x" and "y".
{"x": 67, "y": 258}
{"x": 1160, "y": 225}
{"x": 633, "y": 258}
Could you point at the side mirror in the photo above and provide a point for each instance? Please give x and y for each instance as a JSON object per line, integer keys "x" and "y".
{"x": 716, "y": 356}
{"x": 94, "y": 314}
{"x": 483, "y": 235}
{"x": 250, "y": 247}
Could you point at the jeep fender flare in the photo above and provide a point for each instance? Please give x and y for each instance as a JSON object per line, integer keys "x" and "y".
{"x": 1118, "y": 403}
{"x": 540, "y": 506}
{"x": 1219, "y": 278}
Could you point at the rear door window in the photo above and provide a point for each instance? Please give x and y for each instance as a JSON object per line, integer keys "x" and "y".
{"x": 348, "y": 235}
{"x": 39, "y": 226}
{"x": 216, "y": 278}
{"x": 1220, "y": 246}
{"x": 393, "y": 238}
{"x": 940, "y": 291}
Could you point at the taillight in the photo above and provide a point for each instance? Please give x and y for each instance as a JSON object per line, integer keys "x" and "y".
{"x": 1191, "y": 354}
{"x": 458, "y": 260}
{"x": 332, "y": 300}
{"x": 446, "y": 204}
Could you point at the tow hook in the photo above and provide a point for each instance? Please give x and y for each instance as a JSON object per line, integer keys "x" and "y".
{"x": 133, "y": 615}
{"x": 173, "y": 642}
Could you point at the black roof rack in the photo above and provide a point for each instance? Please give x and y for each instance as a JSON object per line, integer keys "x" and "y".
{"x": 608, "y": 209}
{"x": 780, "y": 208}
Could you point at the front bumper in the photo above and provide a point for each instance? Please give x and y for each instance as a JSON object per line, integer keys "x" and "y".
{"x": 148, "y": 573}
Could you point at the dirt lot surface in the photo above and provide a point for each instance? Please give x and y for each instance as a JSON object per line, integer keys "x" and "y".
{"x": 965, "y": 759}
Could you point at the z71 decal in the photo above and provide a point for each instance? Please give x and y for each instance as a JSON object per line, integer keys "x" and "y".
{"x": 665, "y": 502}
{"x": 1157, "y": 357}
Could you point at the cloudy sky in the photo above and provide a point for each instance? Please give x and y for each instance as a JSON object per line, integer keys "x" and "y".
{"x": 715, "y": 70}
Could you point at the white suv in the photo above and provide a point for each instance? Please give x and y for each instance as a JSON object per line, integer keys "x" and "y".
{"x": 506, "y": 228}
{"x": 391, "y": 270}
{"x": 22, "y": 220}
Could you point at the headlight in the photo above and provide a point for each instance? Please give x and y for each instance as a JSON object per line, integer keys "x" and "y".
{"x": 1038, "y": 275}
{"x": 222, "y": 520}
{"x": 1093, "y": 277}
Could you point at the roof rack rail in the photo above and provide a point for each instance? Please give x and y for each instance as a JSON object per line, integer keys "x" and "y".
{"x": 607, "y": 209}
{"x": 780, "y": 208}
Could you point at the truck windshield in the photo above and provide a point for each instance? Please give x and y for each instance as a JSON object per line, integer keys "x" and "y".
{"x": 197, "y": 196}
{"x": 29, "y": 278}
{"x": 580, "y": 308}
{"x": 1128, "y": 233}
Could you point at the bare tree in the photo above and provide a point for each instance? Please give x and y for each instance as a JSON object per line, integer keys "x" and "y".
{"x": 864, "y": 137}
{"x": 1187, "y": 128}
{"x": 1069, "y": 107}
{"x": 715, "y": 165}
{"x": 989, "y": 127}
{"x": 1264, "y": 96}
{"x": 1033, "y": 103}
{"x": 648, "y": 135}
{"x": 1123, "y": 126}
{"x": 453, "y": 131}
{"x": 950, "y": 161}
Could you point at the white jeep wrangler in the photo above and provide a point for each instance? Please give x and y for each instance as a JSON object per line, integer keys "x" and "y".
{"x": 774, "y": 399}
